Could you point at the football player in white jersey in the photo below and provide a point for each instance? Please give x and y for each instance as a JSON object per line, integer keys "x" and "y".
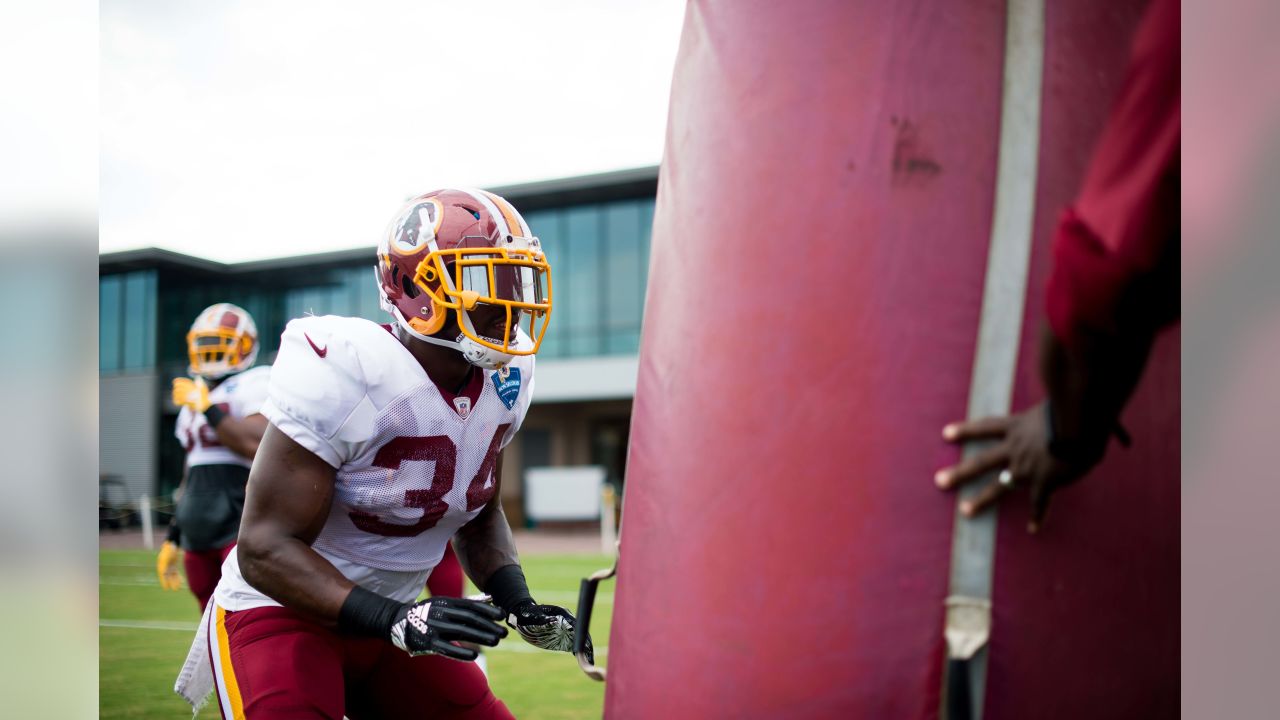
{"x": 384, "y": 442}
{"x": 219, "y": 425}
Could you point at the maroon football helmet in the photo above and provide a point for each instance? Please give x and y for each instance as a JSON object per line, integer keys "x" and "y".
{"x": 454, "y": 249}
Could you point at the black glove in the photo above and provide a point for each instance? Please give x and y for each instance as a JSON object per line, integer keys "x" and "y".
{"x": 432, "y": 626}
{"x": 425, "y": 627}
{"x": 546, "y": 626}
{"x": 549, "y": 627}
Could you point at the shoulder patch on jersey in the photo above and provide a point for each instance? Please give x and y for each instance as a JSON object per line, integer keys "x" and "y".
{"x": 507, "y": 382}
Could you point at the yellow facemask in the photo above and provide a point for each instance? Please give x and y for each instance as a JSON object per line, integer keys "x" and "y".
{"x": 516, "y": 278}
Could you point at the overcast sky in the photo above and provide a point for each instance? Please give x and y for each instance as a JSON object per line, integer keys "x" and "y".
{"x": 252, "y": 129}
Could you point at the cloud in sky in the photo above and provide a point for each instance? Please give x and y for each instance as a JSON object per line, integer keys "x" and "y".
{"x": 256, "y": 129}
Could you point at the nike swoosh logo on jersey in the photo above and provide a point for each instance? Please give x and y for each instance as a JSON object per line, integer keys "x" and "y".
{"x": 321, "y": 351}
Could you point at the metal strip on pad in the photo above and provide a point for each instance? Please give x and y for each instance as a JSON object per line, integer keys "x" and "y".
{"x": 999, "y": 332}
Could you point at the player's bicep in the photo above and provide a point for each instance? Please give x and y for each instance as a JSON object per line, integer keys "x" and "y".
{"x": 494, "y": 503}
{"x": 497, "y": 480}
{"x": 485, "y": 544}
{"x": 290, "y": 490}
{"x": 490, "y": 515}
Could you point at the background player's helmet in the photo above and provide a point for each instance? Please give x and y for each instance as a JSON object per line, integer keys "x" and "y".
{"x": 223, "y": 340}
{"x": 449, "y": 250}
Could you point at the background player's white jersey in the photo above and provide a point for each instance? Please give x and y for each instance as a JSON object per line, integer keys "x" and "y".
{"x": 414, "y": 462}
{"x": 240, "y": 396}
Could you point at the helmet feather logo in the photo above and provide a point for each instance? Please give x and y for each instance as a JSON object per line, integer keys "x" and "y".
{"x": 409, "y": 235}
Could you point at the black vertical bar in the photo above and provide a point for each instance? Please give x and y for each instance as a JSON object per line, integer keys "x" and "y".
{"x": 959, "y": 701}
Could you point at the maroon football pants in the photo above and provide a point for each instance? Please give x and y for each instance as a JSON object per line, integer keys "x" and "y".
{"x": 446, "y": 577}
{"x": 272, "y": 663}
{"x": 204, "y": 570}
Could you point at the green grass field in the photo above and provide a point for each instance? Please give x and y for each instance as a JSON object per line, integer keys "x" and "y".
{"x": 144, "y": 633}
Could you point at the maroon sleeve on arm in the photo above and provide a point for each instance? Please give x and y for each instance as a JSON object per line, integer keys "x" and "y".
{"x": 1086, "y": 283}
{"x": 1118, "y": 234}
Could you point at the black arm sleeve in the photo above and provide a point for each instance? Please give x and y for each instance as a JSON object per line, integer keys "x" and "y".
{"x": 368, "y": 613}
{"x": 508, "y": 587}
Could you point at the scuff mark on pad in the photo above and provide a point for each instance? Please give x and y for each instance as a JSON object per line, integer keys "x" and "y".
{"x": 910, "y": 161}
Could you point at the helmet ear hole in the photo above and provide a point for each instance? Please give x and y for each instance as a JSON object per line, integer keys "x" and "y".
{"x": 410, "y": 289}
{"x": 392, "y": 291}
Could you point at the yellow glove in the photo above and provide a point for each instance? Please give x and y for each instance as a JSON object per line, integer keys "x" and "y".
{"x": 191, "y": 393}
{"x": 167, "y": 567}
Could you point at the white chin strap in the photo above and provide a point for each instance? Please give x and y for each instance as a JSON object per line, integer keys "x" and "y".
{"x": 474, "y": 352}
{"x": 477, "y": 354}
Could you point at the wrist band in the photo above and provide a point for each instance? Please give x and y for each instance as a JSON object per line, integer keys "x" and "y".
{"x": 214, "y": 415}
{"x": 1078, "y": 451}
{"x": 175, "y": 533}
{"x": 367, "y": 613}
{"x": 508, "y": 587}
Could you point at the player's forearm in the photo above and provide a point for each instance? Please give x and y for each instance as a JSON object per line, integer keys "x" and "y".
{"x": 1088, "y": 385}
{"x": 287, "y": 502}
{"x": 241, "y": 435}
{"x": 288, "y": 571}
{"x": 485, "y": 544}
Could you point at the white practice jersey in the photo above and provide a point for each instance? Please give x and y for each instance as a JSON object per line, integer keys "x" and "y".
{"x": 239, "y": 396}
{"x": 414, "y": 463}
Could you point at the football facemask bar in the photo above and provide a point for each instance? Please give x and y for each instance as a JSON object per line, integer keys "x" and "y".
{"x": 216, "y": 352}
{"x": 229, "y": 347}
{"x": 515, "y": 277}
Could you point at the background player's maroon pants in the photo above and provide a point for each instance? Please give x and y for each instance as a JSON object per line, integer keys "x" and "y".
{"x": 446, "y": 577}
{"x": 272, "y": 663}
{"x": 204, "y": 570}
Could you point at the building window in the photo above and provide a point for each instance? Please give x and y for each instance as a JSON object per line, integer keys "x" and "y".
{"x": 609, "y": 448}
{"x": 139, "y": 320}
{"x": 599, "y": 256}
{"x": 109, "y": 323}
{"x": 623, "y": 292}
{"x": 127, "y": 321}
{"x": 535, "y": 447}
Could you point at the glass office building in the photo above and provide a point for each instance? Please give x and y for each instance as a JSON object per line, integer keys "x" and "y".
{"x": 595, "y": 230}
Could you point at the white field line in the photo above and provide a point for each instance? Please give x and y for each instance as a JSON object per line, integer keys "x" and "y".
{"x": 139, "y": 581}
